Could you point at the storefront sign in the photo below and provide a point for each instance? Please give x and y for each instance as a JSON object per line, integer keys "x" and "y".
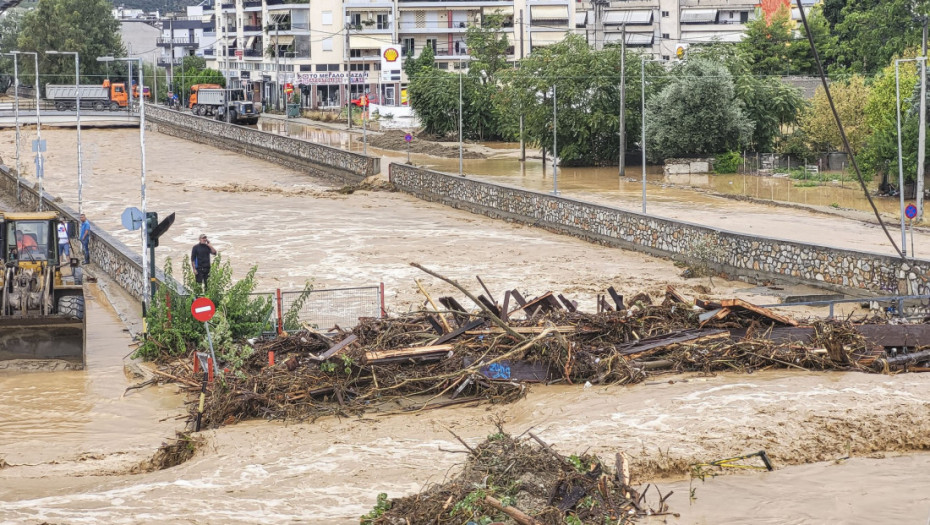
{"x": 332, "y": 77}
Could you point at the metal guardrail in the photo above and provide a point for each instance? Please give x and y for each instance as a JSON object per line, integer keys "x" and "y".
{"x": 327, "y": 308}
{"x": 896, "y": 300}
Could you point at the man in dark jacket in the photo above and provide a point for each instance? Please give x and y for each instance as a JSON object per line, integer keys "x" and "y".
{"x": 200, "y": 259}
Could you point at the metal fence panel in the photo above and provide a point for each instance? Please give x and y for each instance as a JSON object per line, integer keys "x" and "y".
{"x": 336, "y": 306}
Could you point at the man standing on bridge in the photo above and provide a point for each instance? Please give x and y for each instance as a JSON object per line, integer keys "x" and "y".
{"x": 84, "y": 234}
{"x": 200, "y": 259}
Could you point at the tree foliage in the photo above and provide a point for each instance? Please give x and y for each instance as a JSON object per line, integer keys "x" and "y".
{"x": 819, "y": 125}
{"x": 880, "y": 154}
{"x": 85, "y": 26}
{"x": 698, "y": 113}
{"x": 871, "y": 32}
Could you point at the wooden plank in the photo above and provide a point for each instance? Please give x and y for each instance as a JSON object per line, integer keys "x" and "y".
{"x": 618, "y": 299}
{"x": 672, "y": 295}
{"x": 605, "y": 306}
{"x": 764, "y": 312}
{"x": 496, "y": 330}
{"x": 662, "y": 341}
{"x": 435, "y": 324}
{"x": 518, "y": 297}
{"x": 553, "y": 302}
{"x": 507, "y": 370}
{"x": 896, "y": 335}
{"x": 461, "y": 330}
{"x": 571, "y": 306}
{"x": 454, "y": 306}
{"x": 503, "y": 315}
{"x": 531, "y": 307}
{"x": 719, "y": 313}
{"x": 707, "y": 305}
{"x": 489, "y": 305}
{"x": 338, "y": 348}
{"x": 397, "y": 354}
{"x": 487, "y": 292}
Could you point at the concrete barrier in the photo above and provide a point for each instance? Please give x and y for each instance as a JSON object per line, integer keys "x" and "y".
{"x": 757, "y": 259}
{"x": 108, "y": 253}
{"x": 344, "y": 167}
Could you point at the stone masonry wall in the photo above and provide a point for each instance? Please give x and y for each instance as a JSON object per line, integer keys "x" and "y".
{"x": 334, "y": 164}
{"x": 755, "y": 258}
{"x": 109, "y": 254}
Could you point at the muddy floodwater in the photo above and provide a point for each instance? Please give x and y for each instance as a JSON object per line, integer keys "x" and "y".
{"x": 69, "y": 441}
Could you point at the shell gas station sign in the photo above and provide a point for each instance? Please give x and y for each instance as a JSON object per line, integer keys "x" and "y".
{"x": 391, "y": 63}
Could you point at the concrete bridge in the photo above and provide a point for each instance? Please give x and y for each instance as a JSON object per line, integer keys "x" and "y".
{"x": 51, "y": 117}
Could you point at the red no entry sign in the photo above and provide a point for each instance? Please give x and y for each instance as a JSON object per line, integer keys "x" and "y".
{"x": 203, "y": 309}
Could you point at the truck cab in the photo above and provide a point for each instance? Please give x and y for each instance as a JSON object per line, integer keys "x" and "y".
{"x": 117, "y": 93}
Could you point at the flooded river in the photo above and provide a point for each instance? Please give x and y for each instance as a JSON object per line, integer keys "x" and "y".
{"x": 71, "y": 439}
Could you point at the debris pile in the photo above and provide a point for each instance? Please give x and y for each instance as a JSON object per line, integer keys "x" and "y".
{"x": 449, "y": 355}
{"x": 524, "y": 481}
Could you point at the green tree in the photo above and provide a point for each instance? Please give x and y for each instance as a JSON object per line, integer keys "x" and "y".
{"x": 9, "y": 32}
{"x": 880, "y": 155}
{"x": 800, "y": 54}
{"x": 85, "y": 26}
{"x": 871, "y": 32}
{"x": 850, "y": 98}
{"x": 414, "y": 65}
{"x": 766, "y": 43}
{"x": 487, "y": 46}
{"x": 698, "y": 113}
{"x": 587, "y": 96}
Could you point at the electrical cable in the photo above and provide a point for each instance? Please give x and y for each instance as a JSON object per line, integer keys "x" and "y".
{"x": 839, "y": 123}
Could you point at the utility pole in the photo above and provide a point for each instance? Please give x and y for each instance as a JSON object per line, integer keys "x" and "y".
{"x": 622, "y": 163}
{"x": 922, "y": 130}
{"x": 277, "y": 68}
{"x": 348, "y": 52}
{"x": 522, "y": 142}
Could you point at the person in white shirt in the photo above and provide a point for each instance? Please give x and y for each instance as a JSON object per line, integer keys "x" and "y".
{"x": 64, "y": 247}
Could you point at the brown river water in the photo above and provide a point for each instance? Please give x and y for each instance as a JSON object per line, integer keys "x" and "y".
{"x": 71, "y": 438}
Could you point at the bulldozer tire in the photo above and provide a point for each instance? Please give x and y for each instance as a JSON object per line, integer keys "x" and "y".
{"x": 72, "y": 306}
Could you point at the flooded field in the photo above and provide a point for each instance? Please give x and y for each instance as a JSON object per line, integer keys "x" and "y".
{"x": 85, "y": 436}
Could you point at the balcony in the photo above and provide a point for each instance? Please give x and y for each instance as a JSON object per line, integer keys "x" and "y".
{"x": 164, "y": 41}
{"x": 167, "y": 62}
{"x": 434, "y": 28}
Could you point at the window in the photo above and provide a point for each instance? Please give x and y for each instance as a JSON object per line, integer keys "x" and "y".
{"x": 355, "y": 19}
{"x": 665, "y": 36}
{"x": 355, "y": 53}
{"x": 327, "y": 44}
{"x": 408, "y": 44}
{"x": 665, "y": 57}
{"x": 664, "y": 14}
{"x": 383, "y": 22}
{"x": 327, "y": 18}
{"x": 431, "y": 42}
{"x": 744, "y": 17}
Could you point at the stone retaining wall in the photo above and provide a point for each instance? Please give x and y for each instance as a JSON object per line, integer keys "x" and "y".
{"x": 757, "y": 259}
{"x": 109, "y": 254}
{"x": 334, "y": 164}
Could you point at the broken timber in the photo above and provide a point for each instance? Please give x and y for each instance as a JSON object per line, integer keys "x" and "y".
{"x": 376, "y": 357}
{"x": 665, "y": 340}
{"x": 338, "y": 348}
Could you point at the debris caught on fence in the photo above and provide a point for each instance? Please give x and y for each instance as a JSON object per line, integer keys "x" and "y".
{"x": 440, "y": 357}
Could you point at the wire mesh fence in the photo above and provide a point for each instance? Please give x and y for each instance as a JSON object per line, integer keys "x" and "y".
{"x": 327, "y": 308}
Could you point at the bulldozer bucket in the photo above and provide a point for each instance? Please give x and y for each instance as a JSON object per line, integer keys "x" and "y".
{"x": 51, "y": 337}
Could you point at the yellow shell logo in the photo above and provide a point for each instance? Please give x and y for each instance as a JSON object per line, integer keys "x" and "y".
{"x": 680, "y": 52}
{"x": 391, "y": 54}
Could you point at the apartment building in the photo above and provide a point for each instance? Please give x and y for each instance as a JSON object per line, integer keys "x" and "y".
{"x": 188, "y": 35}
{"x": 332, "y": 51}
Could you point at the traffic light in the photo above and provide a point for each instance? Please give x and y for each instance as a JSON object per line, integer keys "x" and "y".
{"x": 151, "y": 221}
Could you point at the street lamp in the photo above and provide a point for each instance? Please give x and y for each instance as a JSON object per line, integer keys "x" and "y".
{"x": 555, "y": 147}
{"x": 145, "y": 267}
{"x": 16, "y": 116}
{"x": 643, "y": 130}
{"x": 897, "y": 89}
{"x": 461, "y": 142}
{"x": 39, "y": 147}
{"x": 77, "y": 94}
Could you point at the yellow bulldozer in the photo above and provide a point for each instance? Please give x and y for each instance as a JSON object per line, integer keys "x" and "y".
{"x": 42, "y": 304}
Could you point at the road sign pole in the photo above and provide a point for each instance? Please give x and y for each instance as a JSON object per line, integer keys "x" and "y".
{"x": 216, "y": 369}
